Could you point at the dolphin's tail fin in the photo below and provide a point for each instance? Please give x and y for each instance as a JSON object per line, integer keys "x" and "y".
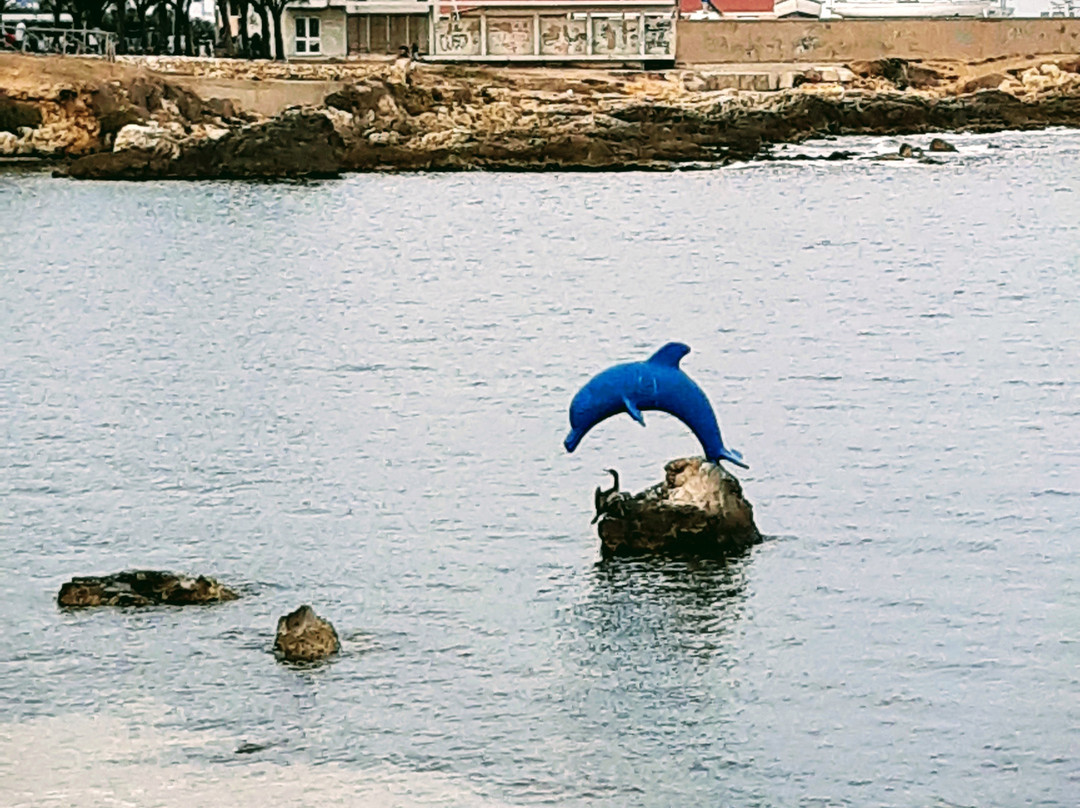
{"x": 732, "y": 456}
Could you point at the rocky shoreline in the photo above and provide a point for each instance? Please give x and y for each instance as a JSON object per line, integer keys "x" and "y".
{"x": 131, "y": 122}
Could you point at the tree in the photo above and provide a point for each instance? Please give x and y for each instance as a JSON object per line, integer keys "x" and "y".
{"x": 202, "y": 30}
{"x": 88, "y": 13}
{"x": 120, "y": 24}
{"x": 162, "y": 45}
{"x": 57, "y": 7}
{"x": 142, "y": 13}
{"x": 276, "y": 7}
{"x": 264, "y": 40}
{"x": 245, "y": 41}
{"x": 182, "y": 27}
{"x": 225, "y": 34}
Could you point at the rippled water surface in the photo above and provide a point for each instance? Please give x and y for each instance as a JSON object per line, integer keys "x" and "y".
{"x": 354, "y": 393}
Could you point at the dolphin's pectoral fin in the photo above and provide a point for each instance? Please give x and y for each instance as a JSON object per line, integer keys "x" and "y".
{"x": 635, "y": 413}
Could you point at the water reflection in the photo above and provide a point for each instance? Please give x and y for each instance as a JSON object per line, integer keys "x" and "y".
{"x": 646, "y": 678}
{"x": 674, "y": 608}
{"x": 648, "y": 639}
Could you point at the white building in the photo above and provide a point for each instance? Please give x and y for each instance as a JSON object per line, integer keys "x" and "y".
{"x": 337, "y": 29}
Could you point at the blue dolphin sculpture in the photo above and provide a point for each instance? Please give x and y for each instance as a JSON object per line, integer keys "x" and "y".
{"x": 655, "y": 384}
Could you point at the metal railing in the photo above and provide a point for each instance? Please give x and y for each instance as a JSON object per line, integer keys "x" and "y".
{"x": 73, "y": 41}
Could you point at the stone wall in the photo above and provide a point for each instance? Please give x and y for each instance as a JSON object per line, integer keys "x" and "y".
{"x": 722, "y": 41}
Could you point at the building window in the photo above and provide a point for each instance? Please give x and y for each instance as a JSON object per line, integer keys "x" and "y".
{"x": 307, "y": 35}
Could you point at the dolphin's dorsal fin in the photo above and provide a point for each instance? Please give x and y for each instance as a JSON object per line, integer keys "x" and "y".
{"x": 670, "y": 355}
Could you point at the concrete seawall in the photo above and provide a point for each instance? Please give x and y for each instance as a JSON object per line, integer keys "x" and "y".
{"x": 268, "y": 97}
{"x": 725, "y": 42}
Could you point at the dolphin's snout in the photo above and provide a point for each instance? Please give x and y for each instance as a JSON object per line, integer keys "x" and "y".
{"x": 572, "y": 440}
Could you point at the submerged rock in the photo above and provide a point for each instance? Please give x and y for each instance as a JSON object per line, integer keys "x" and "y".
{"x": 142, "y": 588}
{"x": 939, "y": 145}
{"x": 699, "y": 509}
{"x": 303, "y": 636}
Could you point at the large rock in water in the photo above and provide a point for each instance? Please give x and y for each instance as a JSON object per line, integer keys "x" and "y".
{"x": 699, "y": 509}
{"x": 142, "y": 588}
{"x": 299, "y": 143}
{"x": 303, "y": 636}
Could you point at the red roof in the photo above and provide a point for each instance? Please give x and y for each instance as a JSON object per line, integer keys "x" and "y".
{"x": 472, "y": 4}
{"x": 463, "y": 6}
{"x": 686, "y": 6}
{"x": 729, "y": 6}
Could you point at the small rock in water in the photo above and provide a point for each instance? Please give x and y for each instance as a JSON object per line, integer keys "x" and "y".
{"x": 906, "y": 150}
{"x": 248, "y": 748}
{"x": 303, "y": 636}
{"x": 939, "y": 145}
{"x": 142, "y": 588}
{"x": 699, "y": 509}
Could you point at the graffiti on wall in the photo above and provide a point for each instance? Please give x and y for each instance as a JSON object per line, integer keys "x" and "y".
{"x": 460, "y": 37}
{"x": 614, "y": 35}
{"x": 562, "y": 36}
{"x": 658, "y": 36}
{"x": 510, "y": 35}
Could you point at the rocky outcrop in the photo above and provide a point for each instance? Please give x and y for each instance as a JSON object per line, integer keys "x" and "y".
{"x": 298, "y": 144}
{"x": 407, "y": 116}
{"x": 67, "y": 107}
{"x": 606, "y": 125}
{"x": 902, "y": 73}
{"x": 114, "y": 110}
{"x": 698, "y": 510}
{"x": 142, "y": 588}
{"x": 16, "y": 115}
{"x": 303, "y": 636}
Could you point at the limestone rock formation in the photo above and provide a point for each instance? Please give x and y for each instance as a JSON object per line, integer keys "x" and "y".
{"x": 699, "y": 509}
{"x": 301, "y": 143}
{"x": 142, "y": 588}
{"x": 114, "y": 111}
{"x": 303, "y": 636}
{"x": 9, "y": 144}
{"x": 137, "y": 123}
{"x": 15, "y": 115}
{"x": 152, "y": 136}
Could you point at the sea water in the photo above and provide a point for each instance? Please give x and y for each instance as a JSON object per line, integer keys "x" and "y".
{"x": 353, "y": 394}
